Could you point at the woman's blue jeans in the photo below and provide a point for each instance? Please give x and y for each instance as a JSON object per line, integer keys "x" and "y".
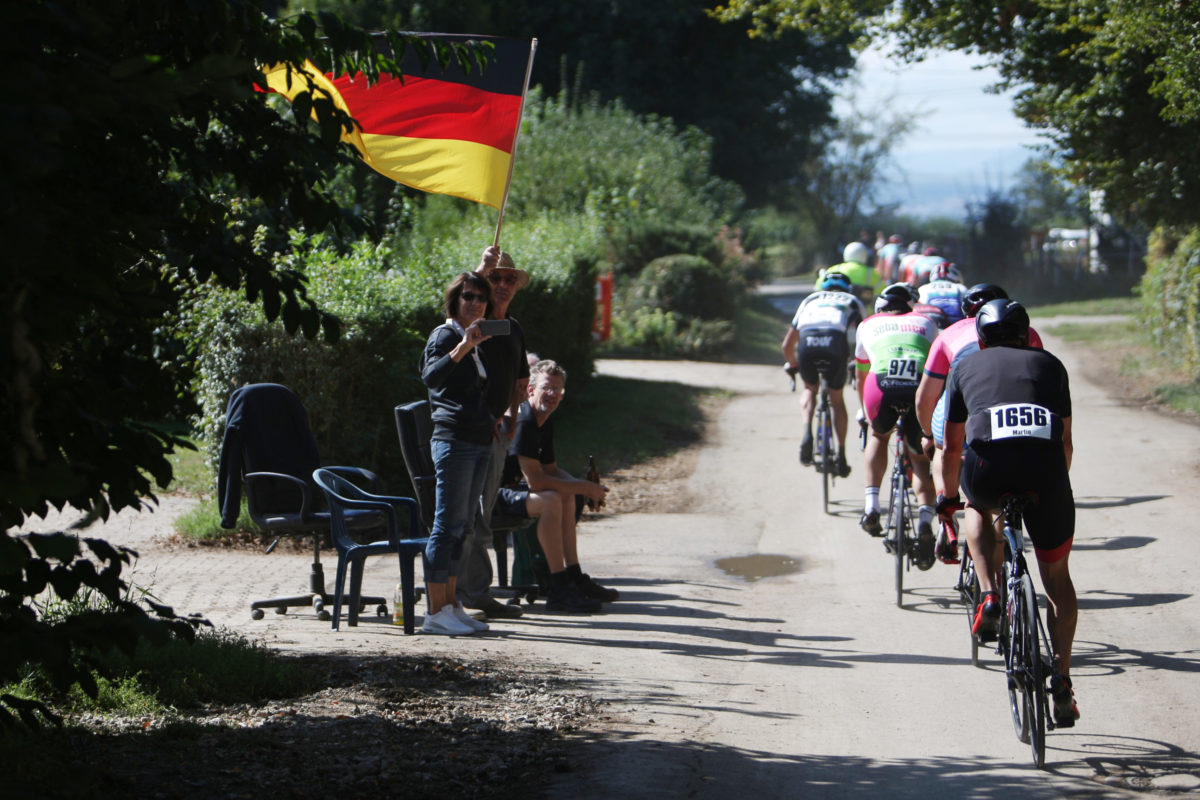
{"x": 460, "y": 469}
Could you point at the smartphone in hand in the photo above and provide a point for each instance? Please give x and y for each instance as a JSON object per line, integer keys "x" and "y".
{"x": 495, "y": 327}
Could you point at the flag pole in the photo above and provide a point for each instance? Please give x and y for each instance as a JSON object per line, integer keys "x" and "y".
{"x": 512, "y": 159}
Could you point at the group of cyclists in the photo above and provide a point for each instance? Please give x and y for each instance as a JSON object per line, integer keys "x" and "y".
{"x": 959, "y": 373}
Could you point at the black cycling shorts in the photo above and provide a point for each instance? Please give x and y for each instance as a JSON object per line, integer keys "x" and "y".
{"x": 991, "y": 470}
{"x": 823, "y": 350}
{"x": 893, "y": 398}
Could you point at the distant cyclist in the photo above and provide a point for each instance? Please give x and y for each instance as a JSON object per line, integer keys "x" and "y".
{"x": 819, "y": 341}
{"x": 951, "y": 345}
{"x": 865, "y": 281}
{"x": 891, "y": 351}
{"x": 945, "y": 290}
{"x": 1008, "y": 424}
{"x": 917, "y": 271}
{"x": 887, "y": 259}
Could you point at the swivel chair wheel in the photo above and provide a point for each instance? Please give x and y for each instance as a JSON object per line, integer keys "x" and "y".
{"x": 281, "y": 610}
{"x": 256, "y": 613}
{"x": 381, "y": 610}
{"x": 324, "y": 615}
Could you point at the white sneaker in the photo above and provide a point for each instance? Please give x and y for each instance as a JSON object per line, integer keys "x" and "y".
{"x": 445, "y": 623}
{"x": 477, "y": 625}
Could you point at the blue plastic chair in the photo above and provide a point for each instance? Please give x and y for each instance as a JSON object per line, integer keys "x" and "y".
{"x": 344, "y": 496}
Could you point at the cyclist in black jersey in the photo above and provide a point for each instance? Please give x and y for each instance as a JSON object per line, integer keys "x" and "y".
{"x": 1008, "y": 427}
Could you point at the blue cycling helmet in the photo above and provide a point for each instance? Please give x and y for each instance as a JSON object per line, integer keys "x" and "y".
{"x": 835, "y": 282}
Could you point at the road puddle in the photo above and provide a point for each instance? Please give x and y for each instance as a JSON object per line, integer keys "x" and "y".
{"x": 762, "y": 565}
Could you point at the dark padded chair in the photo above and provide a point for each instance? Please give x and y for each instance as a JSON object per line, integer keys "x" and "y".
{"x": 269, "y": 449}
{"x": 414, "y": 425}
{"x": 346, "y": 499}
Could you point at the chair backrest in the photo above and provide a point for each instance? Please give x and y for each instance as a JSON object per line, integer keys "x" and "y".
{"x": 414, "y": 424}
{"x": 337, "y": 489}
{"x": 266, "y": 430}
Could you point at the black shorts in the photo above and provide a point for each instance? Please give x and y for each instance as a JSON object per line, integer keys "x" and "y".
{"x": 823, "y": 350}
{"x": 991, "y": 470}
{"x": 510, "y": 502}
{"x": 893, "y": 398}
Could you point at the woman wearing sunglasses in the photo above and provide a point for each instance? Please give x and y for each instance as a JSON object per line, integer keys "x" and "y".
{"x": 454, "y": 369}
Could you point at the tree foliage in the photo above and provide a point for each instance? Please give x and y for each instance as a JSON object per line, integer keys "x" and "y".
{"x": 1112, "y": 83}
{"x": 764, "y": 103}
{"x": 139, "y": 161}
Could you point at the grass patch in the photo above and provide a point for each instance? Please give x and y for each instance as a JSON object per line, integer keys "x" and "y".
{"x": 1086, "y": 308}
{"x": 623, "y": 421}
{"x": 1123, "y": 357}
{"x": 202, "y": 522}
{"x": 220, "y": 666}
{"x": 759, "y": 330}
{"x": 190, "y": 473}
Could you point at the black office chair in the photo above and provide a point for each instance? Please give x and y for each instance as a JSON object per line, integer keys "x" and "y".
{"x": 414, "y": 425}
{"x": 269, "y": 448}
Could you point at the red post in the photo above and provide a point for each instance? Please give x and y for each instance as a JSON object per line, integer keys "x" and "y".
{"x": 602, "y": 322}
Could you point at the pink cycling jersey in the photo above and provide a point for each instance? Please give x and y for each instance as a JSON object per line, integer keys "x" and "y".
{"x": 951, "y": 342}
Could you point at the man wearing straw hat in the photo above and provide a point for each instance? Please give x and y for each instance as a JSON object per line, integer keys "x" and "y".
{"x": 508, "y": 377}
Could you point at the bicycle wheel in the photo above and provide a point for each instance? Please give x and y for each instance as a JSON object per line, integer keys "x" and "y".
{"x": 968, "y": 591}
{"x": 825, "y": 444}
{"x": 1034, "y": 674}
{"x": 1016, "y": 660}
{"x": 901, "y": 532}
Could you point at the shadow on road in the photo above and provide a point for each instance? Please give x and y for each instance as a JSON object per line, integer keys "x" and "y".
{"x": 1105, "y": 658}
{"x": 1100, "y": 600}
{"x": 1113, "y": 543}
{"x": 651, "y": 768}
{"x": 1112, "y": 502}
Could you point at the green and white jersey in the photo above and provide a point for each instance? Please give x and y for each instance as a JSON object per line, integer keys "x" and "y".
{"x": 894, "y": 347}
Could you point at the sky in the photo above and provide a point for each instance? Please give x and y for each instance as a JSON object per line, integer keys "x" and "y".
{"x": 966, "y": 140}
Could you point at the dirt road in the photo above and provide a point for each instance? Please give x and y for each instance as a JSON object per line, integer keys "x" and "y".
{"x": 758, "y": 651}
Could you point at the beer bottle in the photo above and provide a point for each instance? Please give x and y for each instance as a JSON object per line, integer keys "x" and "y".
{"x": 593, "y": 475}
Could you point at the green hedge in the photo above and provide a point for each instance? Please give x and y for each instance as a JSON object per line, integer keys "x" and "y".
{"x": 388, "y": 303}
{"x": 1170, "y": 293}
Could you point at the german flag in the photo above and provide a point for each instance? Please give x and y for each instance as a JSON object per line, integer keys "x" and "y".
{"x": 440, "y": 130}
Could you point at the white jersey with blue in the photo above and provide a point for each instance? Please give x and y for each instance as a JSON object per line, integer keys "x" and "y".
{"x": 829, "y": 310}
{"x": 946, "y": 295}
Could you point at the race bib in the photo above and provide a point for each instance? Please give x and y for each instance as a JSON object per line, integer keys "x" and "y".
{"x": 1020, "y": 421}
{"x": 903, "y": 370}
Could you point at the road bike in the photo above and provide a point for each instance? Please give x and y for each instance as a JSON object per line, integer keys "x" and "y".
{"x": 968, "y": 591}
{"x": 901, "y": 529}
{"x": 824, "y": 452}
{"x": 1023, "y": 640}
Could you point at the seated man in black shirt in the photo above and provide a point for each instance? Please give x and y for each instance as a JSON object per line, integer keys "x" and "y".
{"x": 534, "y": 485}
{"x": 999, "y": 457}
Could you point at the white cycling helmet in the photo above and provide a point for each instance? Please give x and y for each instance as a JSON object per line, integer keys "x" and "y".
{"x": 858, "y": 252}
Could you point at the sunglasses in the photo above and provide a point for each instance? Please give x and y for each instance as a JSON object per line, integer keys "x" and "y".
{"x": 471, "y": 297}
{"x": 507, "y": 279}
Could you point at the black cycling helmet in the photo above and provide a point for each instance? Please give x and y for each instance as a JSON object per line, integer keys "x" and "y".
{"x": 897, "y": 297}
{"x": 1001, "y": 322}
{"x": 979, "y": 294}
